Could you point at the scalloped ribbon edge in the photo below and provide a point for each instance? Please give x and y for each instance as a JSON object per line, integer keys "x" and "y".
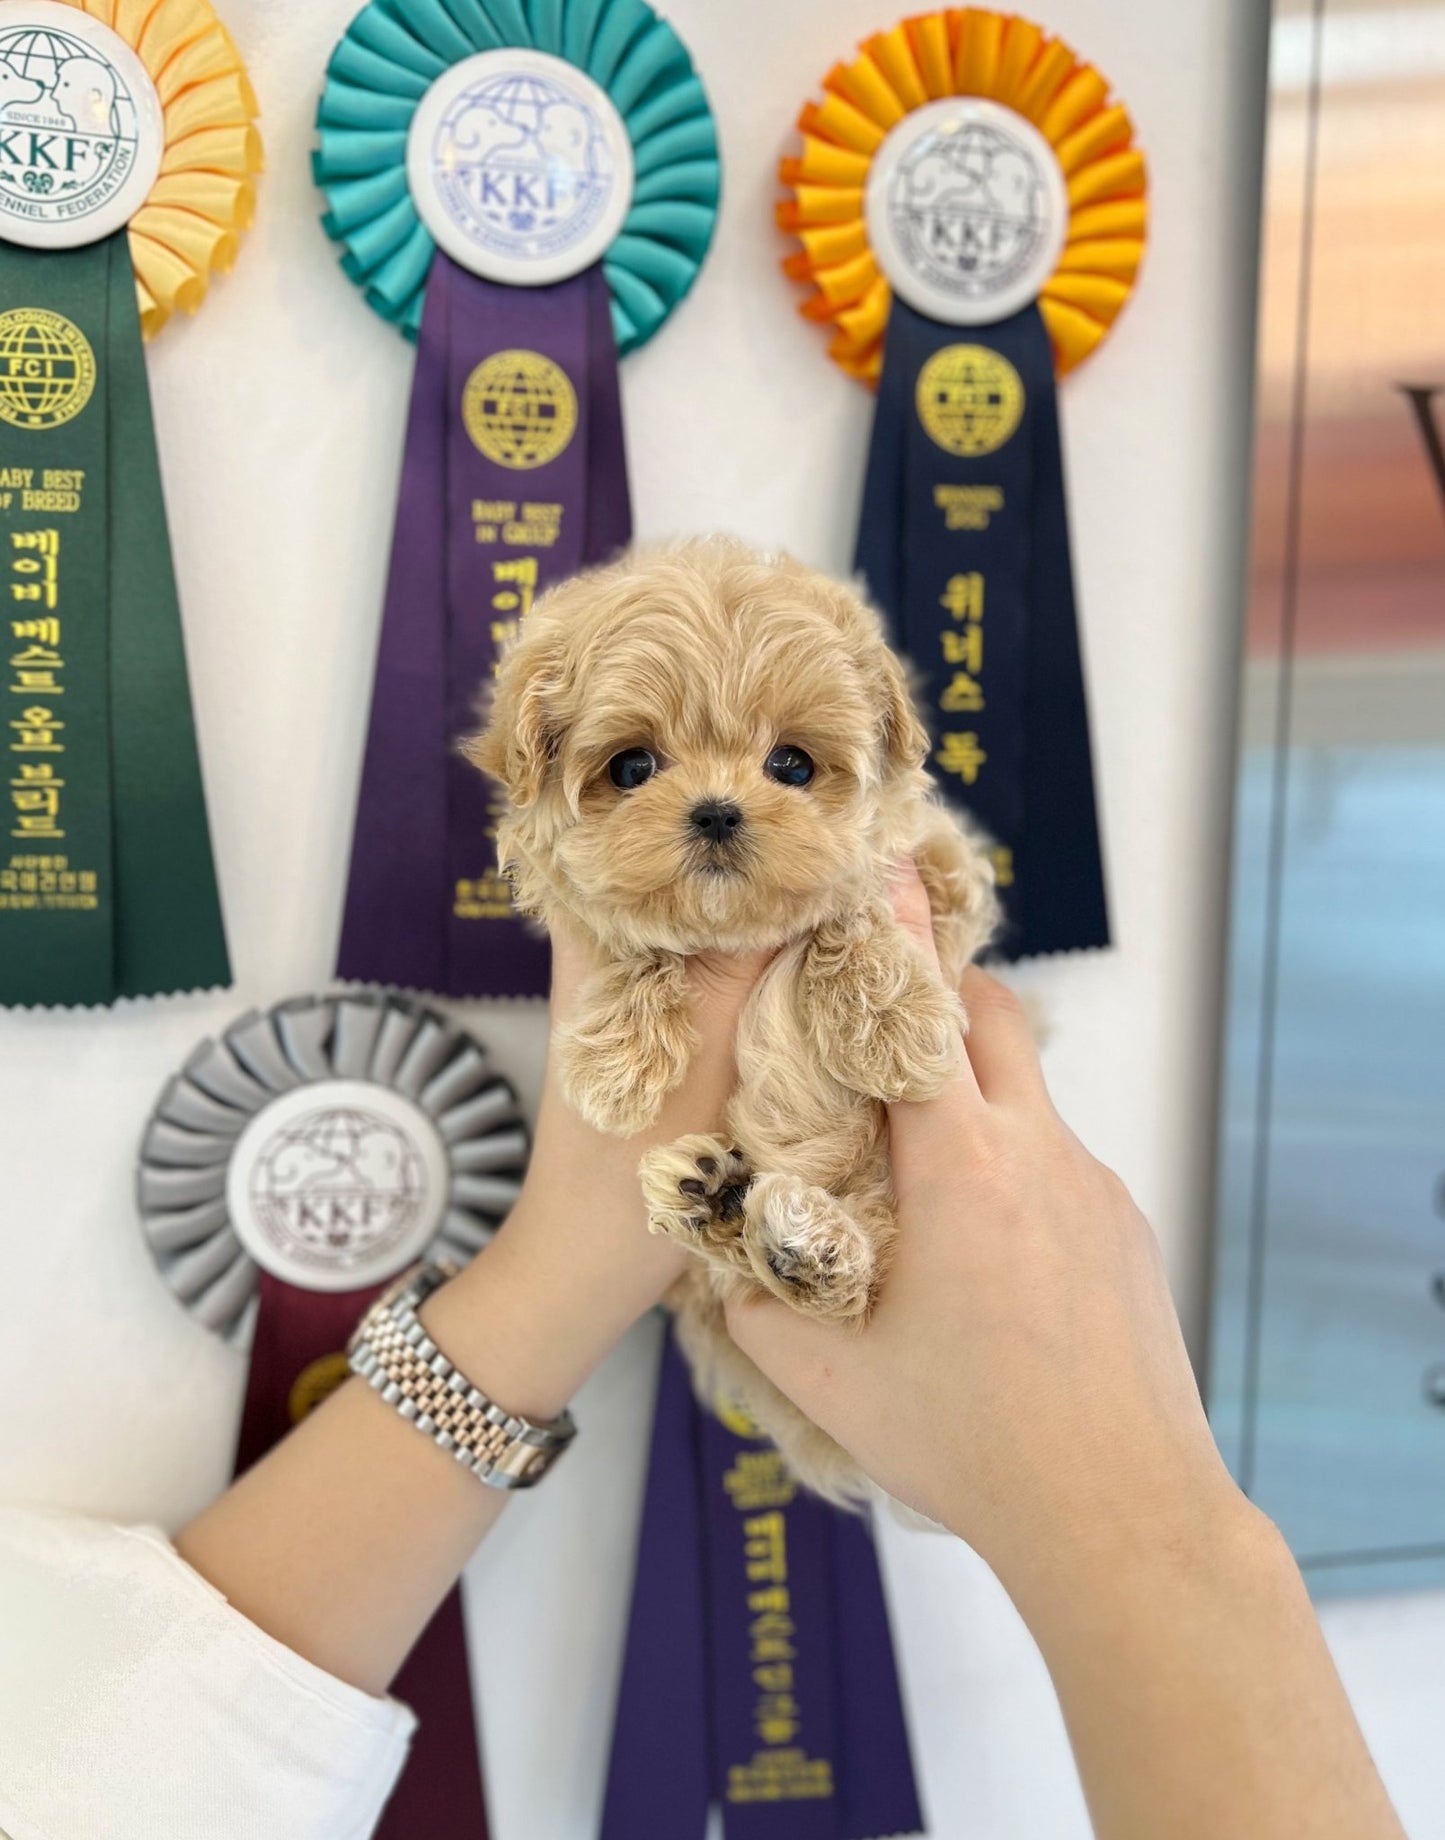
{"x": 204, "y": 197}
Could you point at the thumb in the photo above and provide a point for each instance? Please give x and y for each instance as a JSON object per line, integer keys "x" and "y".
{"x": 911, "y": 908}
{"x": 810, "y": 1361}
{"x": 722, "y": 983}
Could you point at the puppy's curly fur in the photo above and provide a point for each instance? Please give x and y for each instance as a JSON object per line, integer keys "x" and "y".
{"x": 710, "y": 656}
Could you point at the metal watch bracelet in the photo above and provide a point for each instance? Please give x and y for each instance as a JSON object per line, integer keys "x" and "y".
{"x": 392, "y": 1352}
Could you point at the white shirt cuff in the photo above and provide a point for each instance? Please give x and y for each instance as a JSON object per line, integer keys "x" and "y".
{"x": 135, "y": 1702}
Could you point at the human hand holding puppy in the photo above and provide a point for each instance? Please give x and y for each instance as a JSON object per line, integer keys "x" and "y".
{"x": 1022, "y": 1379}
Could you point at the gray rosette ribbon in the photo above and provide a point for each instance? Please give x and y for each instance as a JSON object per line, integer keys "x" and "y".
{"x": 290, "y": 1170}
{"x": 227, "y": 1084}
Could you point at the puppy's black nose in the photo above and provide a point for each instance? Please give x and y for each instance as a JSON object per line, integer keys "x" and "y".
{"x": 715, "y": 821}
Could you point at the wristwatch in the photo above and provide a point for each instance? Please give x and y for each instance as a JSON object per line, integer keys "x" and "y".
{"x": 391, "y": 1350}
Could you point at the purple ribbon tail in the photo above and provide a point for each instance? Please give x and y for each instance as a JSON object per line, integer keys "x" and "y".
{"x": 483, "y": 527}
{"x": 659, "y": 1780}
{"x": 759, "y": 1668}
{"x": 396, "y": 889}
{"x": 877, "y": 1790}
{"x": 774, "y": 1648}
{"x": 609, "y": 496}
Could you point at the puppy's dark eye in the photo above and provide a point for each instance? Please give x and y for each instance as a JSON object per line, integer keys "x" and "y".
{"x": 790, "y": 766}
{"x": 630, "y": 768}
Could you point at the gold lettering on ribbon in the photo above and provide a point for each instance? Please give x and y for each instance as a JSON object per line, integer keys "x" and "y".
{"x": 967, "y": 507}
{"x": 35, "y": 725}
{"x": 780, "y": 1770}
{"x": 486, "y": 895}
{"x": 958, "y": 749}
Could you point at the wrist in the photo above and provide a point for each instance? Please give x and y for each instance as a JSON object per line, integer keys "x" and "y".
{"x": 515, "y": 1331}
{"x": 1208, "y": 1555}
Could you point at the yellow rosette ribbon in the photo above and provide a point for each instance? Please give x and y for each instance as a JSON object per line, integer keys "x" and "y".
{"x": 204, "y": 199}
{"x": 1001, "y": 58}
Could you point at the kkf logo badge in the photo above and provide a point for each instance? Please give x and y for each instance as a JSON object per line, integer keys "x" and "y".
{"x": 520, "y": 167}
{"x": 339, "y": 1186}
{"x": 74, "y": 114}
{"x": 967, "y": 210}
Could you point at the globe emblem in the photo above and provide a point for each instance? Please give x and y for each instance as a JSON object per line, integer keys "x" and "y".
{"x": 522, "y": 165}
{"x": 35, "y": 56}
{"x": 69, "y": 125}
{"x": 969, "y": 399}
{"x": 47, "y": 368}
{"x": 338, "y": 1187}
{"x": 519, "y": 408}
{"x": 969, "y": 209}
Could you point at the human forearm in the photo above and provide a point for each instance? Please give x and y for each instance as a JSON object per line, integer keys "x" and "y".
{"x": 1199, "y": 1695}
{"x": 343, "y": 1539}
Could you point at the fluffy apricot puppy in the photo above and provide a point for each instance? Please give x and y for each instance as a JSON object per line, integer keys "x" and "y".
{"x": 708, "y": 749}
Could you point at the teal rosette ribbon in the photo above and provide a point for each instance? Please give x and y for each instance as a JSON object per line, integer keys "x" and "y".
{"x": 395, "y": 49}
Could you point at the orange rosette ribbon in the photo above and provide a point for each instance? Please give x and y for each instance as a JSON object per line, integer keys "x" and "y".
{"x": 1001, "y": 58}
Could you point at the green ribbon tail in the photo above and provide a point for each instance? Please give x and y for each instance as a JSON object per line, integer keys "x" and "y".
{"x": 107, "y": 885}
{"x": 169, "y": 932}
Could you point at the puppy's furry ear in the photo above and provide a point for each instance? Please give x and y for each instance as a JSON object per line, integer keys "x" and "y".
{"x": 521, "y": 738}
{"x": 905, "y": 739}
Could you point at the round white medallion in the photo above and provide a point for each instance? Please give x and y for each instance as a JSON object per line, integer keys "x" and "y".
{"x": 81, "y": 128}
{"x": 967, "y": 210}
{"x": 520, "y": 167}
{"x": 337, "y": 1185}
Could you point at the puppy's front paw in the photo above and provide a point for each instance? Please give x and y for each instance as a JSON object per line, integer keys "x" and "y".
{"x": 884, "y": 1024}
{"x": 694, "y": 1191}
{"x": 628, "y": 1049}
{"x": 611, "y": 1090}
{"x": 807, "y": 1249}
{"x": 913, "y": 1045}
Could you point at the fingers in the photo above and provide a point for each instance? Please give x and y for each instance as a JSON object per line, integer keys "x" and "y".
{"x": 914, "y": 914}
{"x": 722, "y": 985}
{"x": 1000, "y": 1042}
{"x": 911, "y": 908}
{"x": 800, "y": 1355}
{"x": 574, "y": 959}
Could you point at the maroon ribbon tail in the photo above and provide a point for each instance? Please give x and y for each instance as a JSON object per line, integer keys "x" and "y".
{"x": 439, "y": 1794}
{"x": 482, "y": 528}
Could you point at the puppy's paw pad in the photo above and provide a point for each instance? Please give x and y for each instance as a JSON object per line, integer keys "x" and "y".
{"x": 808, "y": 1250}
{"x": 695, "y": 1190}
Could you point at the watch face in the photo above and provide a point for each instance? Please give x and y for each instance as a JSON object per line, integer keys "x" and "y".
{"x": 337, "y": 1185}
{"x": 967, "y": 211}
{"x": 520, "y": 166}
{"x": 81, "y": 127}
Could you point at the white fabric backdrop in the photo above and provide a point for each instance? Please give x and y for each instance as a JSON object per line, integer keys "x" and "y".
{"x": 280, "y": 413}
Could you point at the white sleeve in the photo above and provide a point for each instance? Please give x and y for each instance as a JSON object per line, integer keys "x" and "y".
{"x": 136, "y": 1704}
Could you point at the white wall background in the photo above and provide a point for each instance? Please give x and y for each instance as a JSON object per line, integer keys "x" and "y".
{"x": 280, "y": 413}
